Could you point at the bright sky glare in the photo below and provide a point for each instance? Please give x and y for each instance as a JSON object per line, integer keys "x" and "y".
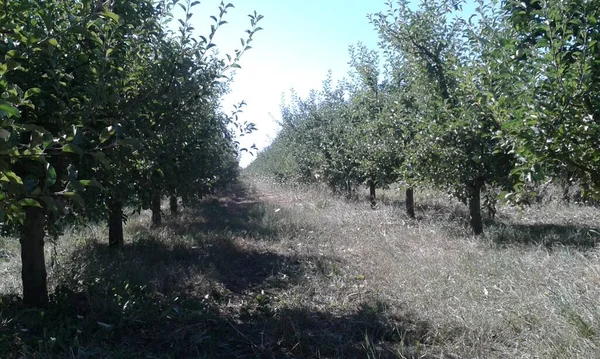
{"x": 300, "y": 43}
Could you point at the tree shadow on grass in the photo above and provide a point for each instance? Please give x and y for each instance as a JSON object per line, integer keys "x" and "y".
{"x": 192, "y": 327}
{"x": 197, "y": 291}
{"x": 503, "y": 233}
{"x": 240, "y": 212}
{"x": 550, "y": 236}
{"x": 369, "y": 331}
{"x": 217, "y": 301}
{"x": 167, "y": 265}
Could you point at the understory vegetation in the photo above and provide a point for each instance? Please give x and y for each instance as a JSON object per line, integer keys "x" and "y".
{"x": 264, "y": 270}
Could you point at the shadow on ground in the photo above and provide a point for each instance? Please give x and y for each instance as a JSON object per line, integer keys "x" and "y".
{"x": 502, "y": 232}
{"x": 195, "y": 328}
{"x": 547, "y": 235}
{"x": 192, "y": 290}
{"x": 238, "y": 211}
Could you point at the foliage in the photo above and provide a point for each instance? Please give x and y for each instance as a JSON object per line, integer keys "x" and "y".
{"x": 102, "y": 105}
{"x": 556, "y": 65}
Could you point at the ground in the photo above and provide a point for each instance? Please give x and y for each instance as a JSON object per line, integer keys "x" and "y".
{"x": 270, "y": 271}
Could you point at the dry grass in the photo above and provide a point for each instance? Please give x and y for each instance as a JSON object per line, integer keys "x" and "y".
{"x": 278, "y": 272}
{"x": 528, "y": 288}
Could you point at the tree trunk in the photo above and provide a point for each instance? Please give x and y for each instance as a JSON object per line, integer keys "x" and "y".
{"x": 348, "y": 189}
{"x": 115, "y": 224}
{"x": 475, "y": 208}
{"x": 410, "y": 202}
{"x": 156, "y": 215}
{"x": 372, "y": 196}
{"x": 35, "y": 289}
{"x": 173, "y": 205}
{"x": 332, "y": 186}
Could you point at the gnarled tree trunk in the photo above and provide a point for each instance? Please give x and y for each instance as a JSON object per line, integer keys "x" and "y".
{"x": 115, "y": 224}
{"x": 474, "y": 191}
{"x": 35, "y": 288}
{"x": 156, "y": 215}
{"x": 410, "y": 202}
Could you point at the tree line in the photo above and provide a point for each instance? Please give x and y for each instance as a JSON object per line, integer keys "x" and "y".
{"x": 484, "y": 107}
{"x": 106, "y": 106}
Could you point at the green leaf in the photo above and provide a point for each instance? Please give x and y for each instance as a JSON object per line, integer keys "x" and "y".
{"x": 72, "y": 148}
{"x": 106, "y": 133}
{"x": 50, "y": 175}
{"x": 111, "y": 15}
{"x": 91, "y": 183}
{"x": 9, "y": 176}
{"x": 30, "y": 202}
{"x": 9, "y": 109}
{"x": 32, "y": 91}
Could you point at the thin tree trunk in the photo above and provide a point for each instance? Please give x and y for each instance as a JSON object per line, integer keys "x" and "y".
{"x": 35, "y": 289}
{"x": 410, "y": 202}
{"x": 372, "y": 196}
{"x": 115, "y": 224}
{"x": 475, "y": 208}
{"x": 156, "y": 215}
{"x": 332, "y": 187}
{"x": 348, "y": 189}
{"x": 173, "y": 205}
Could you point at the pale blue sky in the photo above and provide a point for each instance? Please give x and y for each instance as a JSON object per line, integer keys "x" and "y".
{"x": 300, "y": 42}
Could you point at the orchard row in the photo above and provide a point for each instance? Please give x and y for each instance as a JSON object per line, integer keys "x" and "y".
{"x": 106, "y": 105}
{"x": 494, "y": 100}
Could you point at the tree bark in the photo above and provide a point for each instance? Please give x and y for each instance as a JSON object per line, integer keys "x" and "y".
{"x": 348, "y": 190}
{"x": 410, "y": 202}
{"x": 156, "y": 215}
{"x": 372, "y": 196}
{"x": 33, "y": 274}
{"x": 332, "y": 187}
{"x": 475, "y": 208}
{"x": 115, "y": 224}
{"x": 173, "y": 205}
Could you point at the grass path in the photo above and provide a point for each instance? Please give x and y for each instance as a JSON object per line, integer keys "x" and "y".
{"x": 264, "y": 271}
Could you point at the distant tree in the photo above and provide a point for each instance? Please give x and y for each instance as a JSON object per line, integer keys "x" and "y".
{"x": 456, "y": 147}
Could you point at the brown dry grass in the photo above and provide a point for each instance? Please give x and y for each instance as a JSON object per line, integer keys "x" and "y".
{"x": 279, "y": 272}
